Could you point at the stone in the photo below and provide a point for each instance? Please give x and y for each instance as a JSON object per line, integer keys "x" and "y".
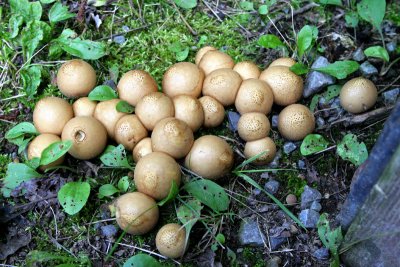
{"x": 316, "y": 206}
{"x": 274, "y": 262}
{"x": 274, "y": 121}
{"x": 359, "y": 55}
{"x": 309, "y": 218}
{"x": 367, "y": 69}
{"x": 125, "y": 28}
{"x": 271, "y": 187}
{"x": 289, "y": 147}
{"x": 391, "y": 47}
{"x": 108, "y": 230}
{"x": 308, "y": 196}
{"x": 321, "y": 254}
{"x": 265, "y": 175}
{"x": 301, "y": 164}
{"x": 250, "y": 234}
{"x": 233, "y": 118}
{"x": 119, "y": 39}
{"x": 390, "y": 97}
{"x": 320, "y": 121}
{"x": 276, "y": 242}
{"x": 111, "y": 83}
{"x": 275, "y": 161}
{"x": 256, "y": 192}
{"x": 316, "y": 81}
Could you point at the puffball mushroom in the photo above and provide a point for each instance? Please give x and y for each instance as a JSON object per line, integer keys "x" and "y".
{"x": 106, "y": 112}
{"x": 76, "y": 78}
{"x": 134, "y": 85}
{"x": 183, "y": 78}
{"x": 214, "y": 111}
{"x": 201, "y": 53}
{"x": 142, "y": 149}
{"x": 283, "y": 61}
{"x": 88, "y": 136}
{"x": 295, "y": 122}
{"x": 210, "y": 157}
{"x": 40, "y": 143}
{"x": 253, "y": 126}
{"x": 172, "y": 136}
{"x": 136, "y": 213}
{"x": 358, "y": 95}
{"x": 254, "y": 95}
{"x": 51, "y": 114}
{"x": 223, "y": 85}
{"x": 154, "y": 107}
{"x": 84, "y": 107}
{"x": 214, "y": 60}
{"x": 286, "y": 86}
{"x": 253, "y": 148}
{"x": 247, "y": 70}
{"x": 129, "y": 131}
{"x": 189, "y": 110}
{"x": 170, "y": 240}
{"x": 154, "y": 174}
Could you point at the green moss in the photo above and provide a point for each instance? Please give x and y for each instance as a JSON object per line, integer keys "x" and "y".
{"x": 393, "y": 13}
{"x": 253, "y": 257}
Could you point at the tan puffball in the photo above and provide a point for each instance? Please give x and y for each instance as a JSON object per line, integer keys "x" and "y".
{"x": 286, "y": 86}
{"x": 201, "y": 53}
{"x": 170, "y": 240}
{"x": 247, "y": 70}
{"x": 253, "y": 126}
{"x": 84, "y": 107}
{"x": 214, "y": 112}
{"x": 254, "y": 95}
{"x": 214, "y": 60}
{"x": 142, "y": 149}
{"x": 106, "y": 112}
{"x": 189, "y": 110}
{"x": 253, "y": 148}
{"x": 295, "y": 122}
{"x": 283, "y": 61}
{"x": 129, "y": 131}
{"x": 358, "y": 95}
{"x": 40, "y": 143}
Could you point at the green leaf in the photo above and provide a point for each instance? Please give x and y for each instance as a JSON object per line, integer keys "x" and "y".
{"x": 123, "y": 184}
{"x": 55, "y": 151}
{"x": 372, "y": 11}
{"x": 31, "y": 78}
{"x": 331, "y": 239}
{"x": 313, "y": 143}
{"x": 247, "y": 5}
{"x": 98, "y": 3}
{"x": 16, "y": 174}
{"x": 331, "y": 2}
{"x": 305, "y": 39}
{"x": 186, "y": 4}
{"x": 58, "y": 12}
{"x": 34, "y": 163}
{"x": 220, "y": 238}
{"x": 350, "y": 149}
{"x": 378, "y": 52}
{"x": 270, "y": 41}
{"x": 188, "y": 214}
{"x": 47, "y": 1}
{"x": 314, "y": 102}
{"x": 299, "y": 68}
{"x": 351, "y": 19}
{"x": 173, "y": 191}
{"x": 22, "y": 142}
{"x": 73, "y": 196}
{"x": 123, "y": 106}
{"x": 182, "y": 55}
{"x": 340, "y": 69}
{"x": 102, "y": 93}
{"x": 14, "y": 23}
{"x": 107, "y": 190}
{"x": 142, "y": 260}
{"x": 21, "y": 129}
{"x": 32, "y": 34}
{"x": 209, "y": 193}
{"x": 30, "y": 11}
{"x": 116, "y": 158}
{"x": 263, "y": 10}
{"x": 332, "y": 92}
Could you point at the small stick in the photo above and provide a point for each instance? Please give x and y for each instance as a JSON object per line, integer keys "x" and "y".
{"x": 184, "y": 20}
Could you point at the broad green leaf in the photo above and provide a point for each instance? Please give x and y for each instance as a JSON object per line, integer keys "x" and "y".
{"x": 107, "y": 190}
{"x": 350, "y": 149}
{"x": 116, "y": 158}
{"x": 331, "y": 239}
{"x": 313, "y": 143}
{"x": 220, "y": 238}
{"x": 332, "y": 92}
{"x": 73, "y": 196}
{"x": 270, "y": 41}
{"x": 351, "y": 19}
{"x": 188, "y": 214}
{"x": 102, "y": 93}
{"x": 15, "y": 175}
{"x": 186, "y": 4}
{"x": 340, "y": 69}
{"x": 263, "y": 10}
{"x": 247, "y": 5}
{"x": 47, "y": 1}
{"x": 314, "y": 102}
{"x": 299, "y": 68}
{"x": 372, "y": 11}
{"x": 32, "y": 34}
{"x": 378, "y": 52}
{"x": 31, "y": 78}
{"x": 30, "y": 11}
{"x": 142, "y": 260}
{"x": 123, "y": 106}
{"x": 331, "y": 2}
{"x": 21, "y": 129}
{"x": 34, "y": 163}
{"x": 58, "y": 12}
{"x": 209, "y": 193}
{"x": 98, "y": 3}
{"x": 55, "y": 151}
{"x": 182, "y": 55}
{"x": 123, "y": 184}
{"x": 21, "y": 141}
{"x": 173, "y": 191}
{"x": 305, "y": 39}
{"x": 14, "y": 23}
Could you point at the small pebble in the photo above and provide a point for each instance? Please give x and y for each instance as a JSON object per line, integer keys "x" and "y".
{"x": 271, "y": 187}
{"x": 320, "y": 121}
{"x": 321, "y": 254}
{"x": 125, "y": 28}
{"x": 274, "y": 262}
{"x": 274, "y": 121}
{"x": 276, "y": 242}
{"x": 367, "y": 69}
{"x": 308, "y": 196}
{"x": 291, "y": 199}
{"x": 316, "y": 206}
{"x": 293, "y": 229}
{"x": 119, "y": 39}
{"x": 289, "y": 147}
{"x": 359, "y": 55}
{"x": 309, "y": 218}
{"x": 301, "y": 164}
{"x": 233, "y": 118}
{"x": 265, "y": 175}
{"x": 391, "y": 47}
{"x": 111, "y": 83}
{"x": 108, "y": 230}
{"x": 390, "y": 97}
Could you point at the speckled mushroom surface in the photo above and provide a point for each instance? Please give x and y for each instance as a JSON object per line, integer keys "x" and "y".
{"x": 170, "y": 240}
{"x": 247, "y": 70}
{"x": 358, "y": 95}
{"x": 129, "y": 131}
{"x": 189, "y": 110}
{"x": 84, "y": 107}
{"x": 283, "y": 61}
{"x": 142, "y": 149}
{"x": 254, "y": 95}
{"x": 202, "y": 51}
{"x": 266, "y": 145}
{"x": 106, "y": 112}
{"x": 295, "y": 122}
{"x": 214, "y": 111}
{"x": 253, "y": 126}
{"x": 214, "y": 60}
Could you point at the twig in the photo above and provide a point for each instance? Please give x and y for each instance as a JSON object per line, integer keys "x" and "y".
{"x": 183, "y": 19}
{"x": 212, "y": 10}
{"x": 390, "y": 84}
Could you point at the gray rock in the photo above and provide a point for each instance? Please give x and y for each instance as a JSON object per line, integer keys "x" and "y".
{"x": 274, "y": 262}
{"x": 108, "y": 230}
{"x": 316, "y": 206}
{"x": 359, "y": 55}
{"x": 125, "y": 28}
{"x": 301, "y": 164}
{"x": 233, "y": 118}
{"x": 391, "y": 47}
{"x": 276, "y": 242}
{"x": 271, "y": 187}
{"x": 321, "y": 254}
{"x": 250, "y": 235}
{"x": 367, "y": 69}
{"x": 274, "y": 121}
{"x": 256, "y": 191}
{"x": 316, "y": 81}
{"x": 111, "y": 83}
{"x": 275, "y": 161}
{"x": 308, "y": 196}
{"x": 390, "y": 97}
{"x": 320, "y": 121}
{"x": 289, "y": 147}
{"x": 119, "y": 39}
{"x": 309, "y": 218}
{"x": 265, "y": 175}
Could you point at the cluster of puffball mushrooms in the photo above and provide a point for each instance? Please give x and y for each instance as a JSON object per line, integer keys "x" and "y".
{"x": 193, "y": 95}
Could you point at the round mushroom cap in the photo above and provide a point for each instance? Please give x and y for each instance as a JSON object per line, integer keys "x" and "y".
{"x": 84, "y": 107}
{"x": 283, "y": 61}
{"x": 183, "y": 78}
{"x": 172, "y": 136}
{"x": 154, "y": 107}
{"x": 88, "y": 136}
{"x": 40, "y": 143}
{"x": 214, "y": 60}
{"x": 170, "y": 240}
{"x": 253, "y": 148}
{"x": 134, "y": 85}
{"x": 76, "y": 78}
{"x": 253, "y": 126}
{"x": 154, "y": 174}
{"x": 254, "y": 95}
{"x": 201, "y": 53}
{"x": 106, "y": 112}
{"x": 247, "y": 70}
{"x": 214, "y": 112}
{"x": 189, "y": 110}
{"x": 142, "y": 149}
{"x": 51, "y": 114}
{"x": 223, "y": 85}
{"x": 136, "y": 213}
{"x": 295, "y": 122}
{"x": 286, "y": 86}
{"x": 358, "y": 95}
{"x": 210, "y": 157}
{"x": 129, "y": 131}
